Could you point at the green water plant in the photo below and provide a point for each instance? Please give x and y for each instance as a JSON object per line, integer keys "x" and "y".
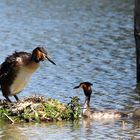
{"x": 39, "y": 109}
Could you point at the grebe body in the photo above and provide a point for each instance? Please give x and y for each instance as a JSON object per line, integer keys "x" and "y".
{"x": 17, "y": 69}
{"x": 87, "y": 113}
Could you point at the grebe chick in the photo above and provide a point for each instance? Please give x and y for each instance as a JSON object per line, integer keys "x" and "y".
{"x": 87, "y": 113}
{"x": 18, "y": 68}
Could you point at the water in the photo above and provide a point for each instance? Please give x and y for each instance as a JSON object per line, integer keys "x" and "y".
{"x": 89, "y": 40}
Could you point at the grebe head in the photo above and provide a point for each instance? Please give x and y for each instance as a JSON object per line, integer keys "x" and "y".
{"x": 86, "y": 86}
{"x": 40, "y": 54}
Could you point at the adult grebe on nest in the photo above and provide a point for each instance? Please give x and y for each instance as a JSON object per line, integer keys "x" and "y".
{"x": 17, "y": 69}
{"x": 87, "y": 113}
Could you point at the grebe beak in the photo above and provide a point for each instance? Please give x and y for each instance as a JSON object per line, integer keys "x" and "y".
{"x": 46, "y": 56}
{"x": 76, "y": 87}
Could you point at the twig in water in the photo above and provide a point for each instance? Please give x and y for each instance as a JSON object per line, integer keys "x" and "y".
{"x": 9, "y": 118}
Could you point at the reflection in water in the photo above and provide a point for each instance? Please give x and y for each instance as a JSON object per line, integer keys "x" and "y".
{"x": 87, "y": 122}
{"x": 124, "y": 127}
{"x": 39, "y": 131}
{"x": 72, "y": 130}
{"x": 12, "y": 132}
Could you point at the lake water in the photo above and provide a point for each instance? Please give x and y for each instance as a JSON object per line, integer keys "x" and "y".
{"x": 89, "y": 40}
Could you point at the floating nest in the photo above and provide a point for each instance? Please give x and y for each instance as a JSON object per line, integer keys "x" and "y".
{"x": 39, "y": 109}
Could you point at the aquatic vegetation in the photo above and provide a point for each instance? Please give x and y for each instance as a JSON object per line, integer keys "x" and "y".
{"x": 39, "y": 109}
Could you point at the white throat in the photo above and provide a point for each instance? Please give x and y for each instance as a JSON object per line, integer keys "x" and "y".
{"x": 86, "y": 107}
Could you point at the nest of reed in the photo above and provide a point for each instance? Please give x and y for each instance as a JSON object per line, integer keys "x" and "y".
{"x": 39, "y": 109}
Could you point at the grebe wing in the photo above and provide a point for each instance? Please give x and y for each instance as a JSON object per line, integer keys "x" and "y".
{"x": 13, "y": 63}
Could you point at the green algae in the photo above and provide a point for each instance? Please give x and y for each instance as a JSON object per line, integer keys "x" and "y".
{"x": 39, "y": 109}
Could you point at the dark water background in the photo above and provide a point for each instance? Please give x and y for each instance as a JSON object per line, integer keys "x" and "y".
{"x": 90, "y": 40}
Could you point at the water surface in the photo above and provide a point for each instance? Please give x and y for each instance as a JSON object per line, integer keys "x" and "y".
{"x": 89, "y": 40}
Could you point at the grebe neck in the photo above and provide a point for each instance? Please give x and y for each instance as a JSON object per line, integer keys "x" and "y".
{"x": 87, "y": 103}
{"x": 86, "y": 110}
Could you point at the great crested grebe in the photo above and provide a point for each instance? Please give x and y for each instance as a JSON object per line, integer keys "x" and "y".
{"x": 87, "y": 113}
{"x": 18, "y": 68}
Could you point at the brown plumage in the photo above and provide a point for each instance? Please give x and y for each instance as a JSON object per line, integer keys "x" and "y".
{"x": 106, "y": 114}
{"x": 17, "y": 69}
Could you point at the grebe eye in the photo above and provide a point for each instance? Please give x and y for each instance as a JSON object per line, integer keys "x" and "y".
{"x": 84, "y": 86}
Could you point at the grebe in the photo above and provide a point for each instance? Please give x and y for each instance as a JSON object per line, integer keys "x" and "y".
{"x": 18, "y": 68}
{"x": 87, "y": 113}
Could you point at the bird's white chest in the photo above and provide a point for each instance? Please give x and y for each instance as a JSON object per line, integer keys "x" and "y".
{"x": 20, "y": 81}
